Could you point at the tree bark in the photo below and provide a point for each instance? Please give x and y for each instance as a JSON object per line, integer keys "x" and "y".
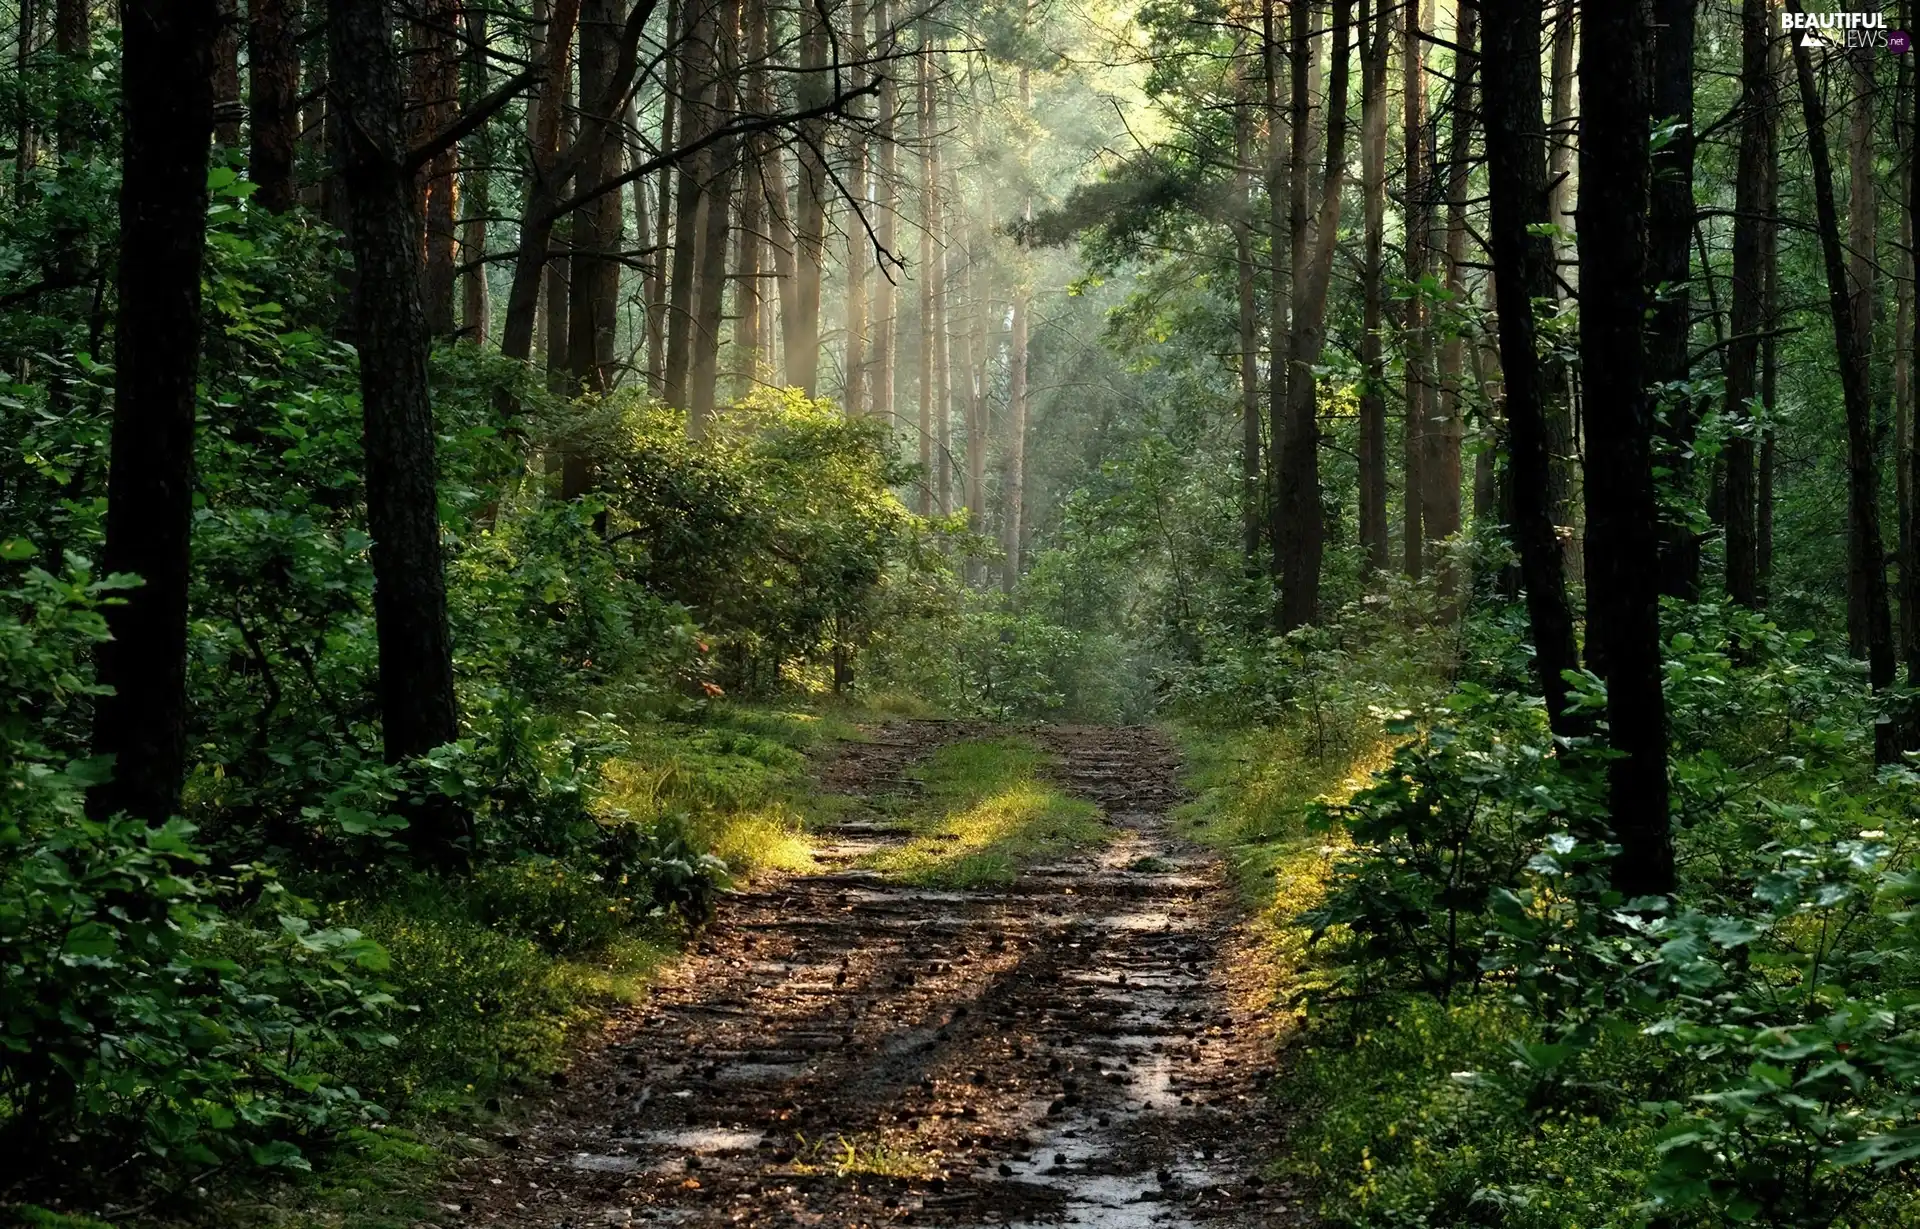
{"x": 1373, "y": 388}
{"x": 1305, "y": 542}
{"x": 417, "y": 706}
{"x": 1748, "y": 316}
{"x": 1519, "y": 203}
{"x": 859, "y": 248}
{"x": 1279, "y": 274}
{"x": 1018, "y": 359}
{"x": 698, "y": 82}
{"x": 1865, "y": 571}
{"x": 1417, "y": 218}
{"x": 273, "y": 93}
{"x": 654, "y": 286}
{"x": 1440, "y": 467}
{"x": 1670, "y": 224}
{"x": 1863, "y": 477}
{"x": 1623, "y": 540}
{"x": 749, "y": 361}
{"x": 228, "y": 107}
{"x": 167, "y": 102}
{"x": 885, "y": 323}
{"x": 810, "y": 213}
{"x": 436, "y": 96}
{"x": 476, "y": 314}
{"x": 1251, "y": 505}
{"x": 593, "y": 282}
{"x": 711, "y": 285}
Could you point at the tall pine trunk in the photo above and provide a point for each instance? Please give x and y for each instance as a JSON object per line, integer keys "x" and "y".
{"x": 476, "y": 299}
{"x": 1748, "y": 316}
{"x": 1519, "y": 203}
{"x": 859, "y": 246}
{"x": 1373, "y": 388}
{"x": 810, "y": 210}
{"x": 273, "y": 93}
{"x": 885, "y": 324}
{"x": 1864, "y": 577}
{"x": 1251, "y": 505}
{"x": 1017, "y": 378}
{"x": 717, "y": 217}
{"x": 1440, "y": 476}
{"x": 167, "y": 101}
{"x": 1670, "y": 227}
{"x": 417, "y": 710}
{"x": 1623, "y": 519}
{"x": 1417, "y": 220}
{"x": 593, "y": 284}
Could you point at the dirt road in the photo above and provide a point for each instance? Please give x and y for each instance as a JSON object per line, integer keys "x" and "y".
{"x": 845, "y": 1051}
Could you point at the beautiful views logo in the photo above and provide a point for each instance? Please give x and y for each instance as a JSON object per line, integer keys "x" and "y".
{"x": 1848, "y": 30}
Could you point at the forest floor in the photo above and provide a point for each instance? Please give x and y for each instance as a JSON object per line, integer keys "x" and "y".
{"x": 855, "y": 1048}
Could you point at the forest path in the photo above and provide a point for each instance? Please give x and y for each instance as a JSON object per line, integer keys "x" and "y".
{"x": 843, "y": 1050}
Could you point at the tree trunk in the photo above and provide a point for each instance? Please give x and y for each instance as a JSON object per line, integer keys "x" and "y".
{"x": 593, "y": 290}
{"x": 273, "y": 94}
{"x": 1863, "y": 477}
{"x": 227, "y": 105}
{"x": 517, "y": 331}
{"x": 1749, "y": 312}
{"x": 711, "y": 286}
{"x": 749, "y": 362}
{"x": 1417, "y": 219}
{"x": 929, "y": 215}
{"x": 697, "y": 77}
{"x": 810, "y": 239}
{"x": 1865, "y": 572}
{"x": 1519, "y": 204}
{"x": 859, "y": 247}
{"x": 476, "y": 315}
{"x": 436, "y": 90}
{"x": 167, "y": 100}
{"x": 1305, "y": 543}
{"x": 884, "y": 309}
{"x": 942, "y": 362}
{"x": 1623, "y": 531}
{"x": 1373, "y": 388}
{"x": 1279, "y": 274}
{"x": 1558, "y": 396}
{"x": 1016, "y": 495}
{"x": 1440, "y": 467}
{"x": 655, "y": 285}
{"x": 1670, "y": 224}
{"x": 1251, "y": 506}
{"x": 417, "y": 707}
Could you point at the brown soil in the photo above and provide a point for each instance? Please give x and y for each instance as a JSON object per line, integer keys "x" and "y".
{"x": 843, "y": 1051}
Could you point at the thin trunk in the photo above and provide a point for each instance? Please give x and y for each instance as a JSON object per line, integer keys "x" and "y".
{"x": 697, "y": 79}
{"x": 711, "y": 285}
{"x": 1373, "y": 388}
{"x": 1749, "y": 315}
{"x": 942, "y": 364}
{"x": 1623, "y": 538}
{"x": 1670, "y": 228}
{"x": 167, "y": 101}
{"x": 1279, "y": 272}
{"x": 810, "y": 211}
{"x": 655, "y": 285}
{"x": 436, "y": 88}
{"x": 1865, "y": 572}
{"x": 517, "y": 332}
{"x": 1416, "y": 214}
{"x": 227, "y": 104}
{"x": 1440, "y": 476}
{"x": 1305, "y": 544}
{"x": 1863, "y": 477}
{"x": 1519, "y": 204}
{"x": 977, "y": 406}
{"x": 1018, "y": 359}
{"x": 476, "y": 317}
{"x": 1558, "y": 396}
{"x": 929, "y": 213}
{"x": 884, "y": 323}
{"x": 859, "y": 247}
{"x": 749, "y": 362}
{"x": 273, "y": 95}
{"x": 593, "y": 287}
{"x": 1250, "y": 503}
{"x": 417, "y": 706}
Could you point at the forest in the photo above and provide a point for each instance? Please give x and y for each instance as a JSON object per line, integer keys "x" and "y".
{"x": 959, "y": 613}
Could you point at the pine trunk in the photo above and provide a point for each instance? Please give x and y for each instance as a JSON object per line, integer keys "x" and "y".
{"x": 167, "y": 102}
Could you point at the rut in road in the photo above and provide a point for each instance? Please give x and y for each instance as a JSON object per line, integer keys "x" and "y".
{"x": 840, "y": 1050}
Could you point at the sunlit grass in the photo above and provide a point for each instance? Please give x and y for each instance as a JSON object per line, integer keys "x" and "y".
{"x": 986, "y": 813}
{"x": 846, "y": 1156}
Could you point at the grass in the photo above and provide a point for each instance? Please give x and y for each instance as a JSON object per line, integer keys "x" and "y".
{"x": 866, "y": 1155}
{"x": 985, "y": 814}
